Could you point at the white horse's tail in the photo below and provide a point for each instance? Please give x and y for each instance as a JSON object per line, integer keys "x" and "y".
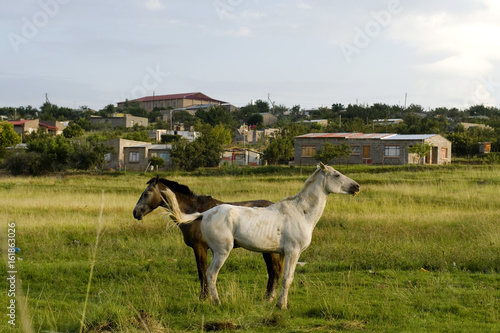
{"x": 173, "y": 210}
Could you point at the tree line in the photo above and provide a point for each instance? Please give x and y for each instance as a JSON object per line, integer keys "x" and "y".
{"x": 81, "y": 146}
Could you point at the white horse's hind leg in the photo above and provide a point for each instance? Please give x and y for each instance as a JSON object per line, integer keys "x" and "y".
{"x": 290, "y": 264}
{"x": 218, "y": 260}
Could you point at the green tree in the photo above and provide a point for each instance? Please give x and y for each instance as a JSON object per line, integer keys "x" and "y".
{"x": 205, "y": 151}
{"x": 279, "y": 150}
{"x": 20, "y": 161}
{"x": 89, "y": 154}
{"x": 8, "y": 137}
{"x": 330, "y": 151}
{"x": 262, "y": 106}
{"x": 327, "y": 153}
{"x": 295, "y": 113}
{"x": 421, "y": 150}
{"x": 216, "y": 115}
{"x": 130, "y": 107}
{"x": 156, "y": 162}
{"x": 255, "y": 119}
{"x": 73, "y": 130}
{"x": 54, "y": 152}
{"x": 50, "y": 111}
{"x": 184, "y": 117}
{"x": 462, "y": 143}
{"x": 344, "y": 151}
{"x": 137, "y": 136}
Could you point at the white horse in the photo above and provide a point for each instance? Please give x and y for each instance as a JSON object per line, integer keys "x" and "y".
{"x": 285, "y": 227}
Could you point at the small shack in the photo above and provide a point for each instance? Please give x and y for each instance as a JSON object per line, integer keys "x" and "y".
{"x": 238, "y": 156}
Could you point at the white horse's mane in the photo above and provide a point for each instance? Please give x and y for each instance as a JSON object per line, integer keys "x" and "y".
{"x": 306, "y": 184}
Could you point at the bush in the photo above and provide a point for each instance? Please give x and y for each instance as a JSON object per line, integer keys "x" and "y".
{"x": 156, "y": 162}
{"x": 20, "y": 161}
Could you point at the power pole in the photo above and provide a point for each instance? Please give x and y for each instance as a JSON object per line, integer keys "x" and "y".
{"x": 269, "y": 99}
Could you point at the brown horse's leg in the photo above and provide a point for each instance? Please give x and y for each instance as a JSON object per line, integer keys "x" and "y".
{"x": 200, "y": 253}
{"x": 274, "y": 264}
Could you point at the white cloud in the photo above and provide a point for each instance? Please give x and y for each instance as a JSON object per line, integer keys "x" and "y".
{"x": 154, "y": 5}
{"x": 303, "y": 5}
{"x": 465, "y": 64}
{"x": 240, "y": 32}
{"x": 465, "y": 45}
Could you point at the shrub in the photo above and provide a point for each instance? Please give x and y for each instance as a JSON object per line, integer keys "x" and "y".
{"x": 20, "y": 161}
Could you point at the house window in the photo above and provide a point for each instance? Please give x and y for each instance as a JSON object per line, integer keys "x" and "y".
{"x": 391, "y": 151}
{"x": 107, "y": 157}
{"x": 165, "y": 156}
{"x": 444, "y": 153}
{"x": 356, "y": 150}
{"x": 308, "y": 151}
{"x": 131, "y": 123}
{"x": 134, "y": 156}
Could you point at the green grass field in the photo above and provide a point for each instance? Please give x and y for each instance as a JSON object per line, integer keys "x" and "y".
{"x": 416, "y": 251}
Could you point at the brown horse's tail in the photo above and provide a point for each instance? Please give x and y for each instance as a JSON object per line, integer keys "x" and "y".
{"x": 173, "y": 210}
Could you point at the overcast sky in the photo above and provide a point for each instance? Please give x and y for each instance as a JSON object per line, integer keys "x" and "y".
{"x": 307, "y": 52}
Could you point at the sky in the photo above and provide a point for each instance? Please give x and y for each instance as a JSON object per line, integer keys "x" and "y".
{"x": 310, "y": 53}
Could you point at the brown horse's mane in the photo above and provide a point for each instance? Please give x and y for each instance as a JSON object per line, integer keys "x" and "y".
{"x": 178, "y": 188}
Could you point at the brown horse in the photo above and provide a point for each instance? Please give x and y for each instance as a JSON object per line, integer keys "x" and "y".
{"x": 153, "y": 197}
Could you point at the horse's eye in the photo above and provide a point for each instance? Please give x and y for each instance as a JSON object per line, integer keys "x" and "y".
{"x": 336, "y": 175}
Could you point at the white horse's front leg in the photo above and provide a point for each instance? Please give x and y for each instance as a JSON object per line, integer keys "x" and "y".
{"x": 290, "y": 264}
{"x": 218, "y": 260}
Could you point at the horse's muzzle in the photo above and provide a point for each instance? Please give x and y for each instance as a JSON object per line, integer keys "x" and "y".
{"x": 354, "y": 190}
{"x": 137, "y": 215}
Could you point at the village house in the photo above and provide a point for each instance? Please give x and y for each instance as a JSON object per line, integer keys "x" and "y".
{"x": 241, "y": 157}
{"x": 377, "y": 148}
{"x": 25, "y": 126}
{"x": 124, "y": 120}
{"x": 34, "y": 125}
{"x": 157, "y": 134}
{"x": 136, "y": 158}
{"x": 246, "y": 135}
{"x": 173, "y": 101}
{"x": 116, "y": 159}
{"x": 268, "y": 119}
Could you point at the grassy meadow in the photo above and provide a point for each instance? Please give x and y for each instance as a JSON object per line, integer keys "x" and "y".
{"x": 418, "y": 250}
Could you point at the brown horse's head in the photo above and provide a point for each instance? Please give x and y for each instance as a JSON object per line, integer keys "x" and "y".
{"x": 149, "y": 200}
{"x": 153, "y": 197}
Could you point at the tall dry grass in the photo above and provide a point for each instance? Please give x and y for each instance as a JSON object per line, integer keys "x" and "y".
{"x": 414, "y": 250}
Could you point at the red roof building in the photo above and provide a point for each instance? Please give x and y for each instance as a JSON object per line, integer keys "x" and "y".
{"x": 173, "y": 101}
{"x": 25, "y": 125}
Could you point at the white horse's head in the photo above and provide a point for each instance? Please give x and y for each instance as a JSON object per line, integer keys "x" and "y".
{"x": 335, "y": 182}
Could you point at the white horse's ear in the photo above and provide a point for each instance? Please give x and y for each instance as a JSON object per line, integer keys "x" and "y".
{"x": 322, "y": 166}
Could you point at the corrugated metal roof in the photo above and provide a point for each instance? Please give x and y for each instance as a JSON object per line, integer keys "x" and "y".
{"x": 329, "y": 135}
{"x": 361, "y": 136}
{"x": 410, "y": 137}
{"x": 375, "y": 136}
